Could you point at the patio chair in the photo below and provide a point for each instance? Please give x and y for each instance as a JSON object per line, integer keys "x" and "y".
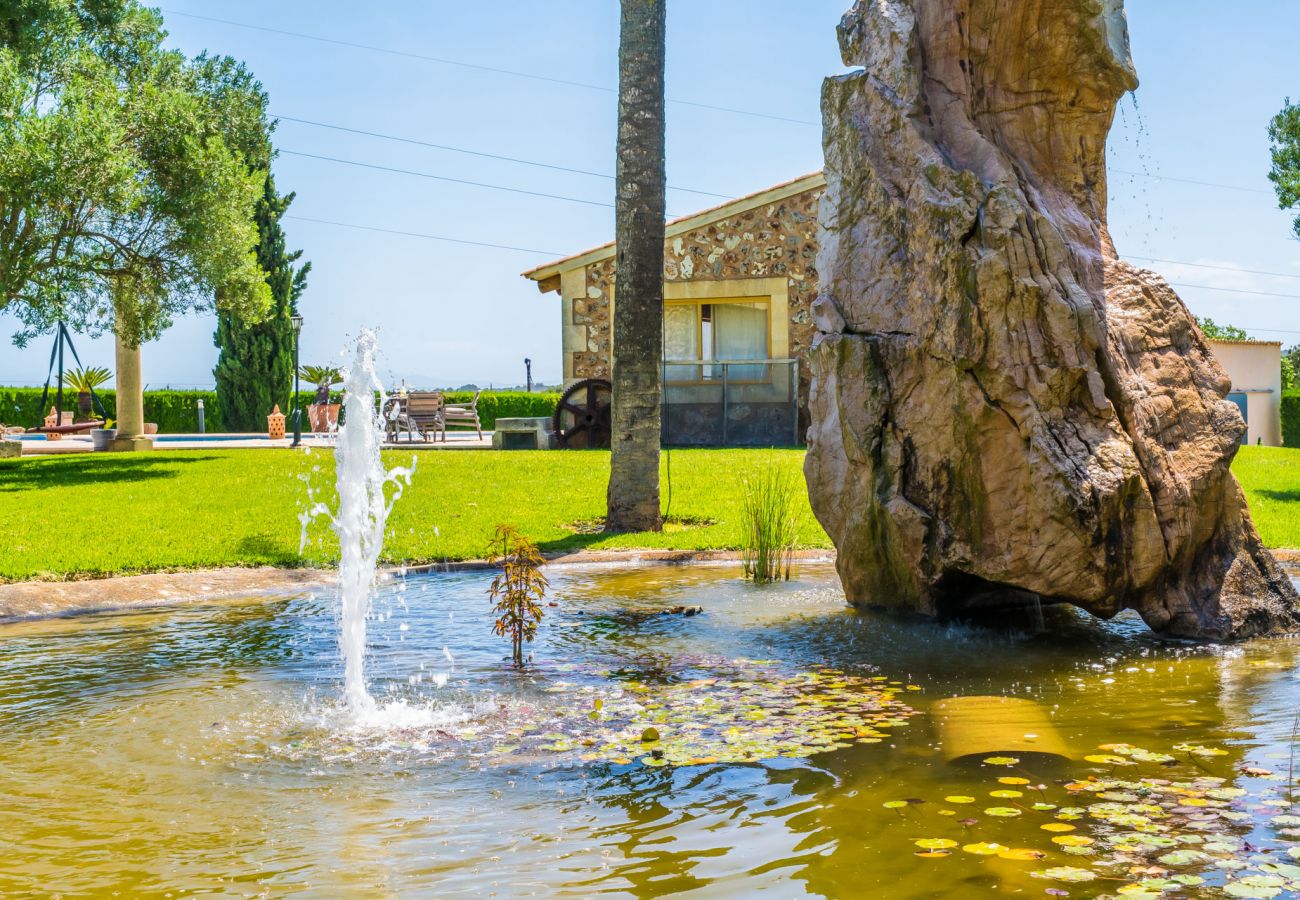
{"x": 466, "y": 413}
{"x": 424, "y": 413}
{"x": 395, "y": 419}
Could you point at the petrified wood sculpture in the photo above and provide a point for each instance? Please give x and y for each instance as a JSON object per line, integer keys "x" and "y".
{"x": 1001, "y": 408}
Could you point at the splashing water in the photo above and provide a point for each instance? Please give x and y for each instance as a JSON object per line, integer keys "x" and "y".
{"x": 361, "y": 517}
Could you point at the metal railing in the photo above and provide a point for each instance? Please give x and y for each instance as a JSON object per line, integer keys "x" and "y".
{"x": 731, "y": 402}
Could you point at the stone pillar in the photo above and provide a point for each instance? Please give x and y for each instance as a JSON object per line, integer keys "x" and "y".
{"x": 130, "y": 400}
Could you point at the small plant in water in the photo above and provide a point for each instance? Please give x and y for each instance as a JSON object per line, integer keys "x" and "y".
{"x": 519, "y": 590}
{"x": 771, "y": 524}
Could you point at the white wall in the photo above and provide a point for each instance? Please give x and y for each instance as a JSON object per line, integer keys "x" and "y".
{"x": 1255, "y": 368}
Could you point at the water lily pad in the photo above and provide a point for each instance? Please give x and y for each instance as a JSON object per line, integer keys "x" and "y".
{"x": 1002, "y": 761}
{"x": 1069, "y": 874}
{"x": 984, "y": 849}
{"x": 935, "y": 843}
{"x": 1004, "y": 812}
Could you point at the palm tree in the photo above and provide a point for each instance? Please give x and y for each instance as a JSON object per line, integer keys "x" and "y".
{"x": 632, "y": 503}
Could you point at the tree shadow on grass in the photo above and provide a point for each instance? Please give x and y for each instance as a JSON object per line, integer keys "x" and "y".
{"x": 570, "y": 543}
{"x": 268, "y": 549}
{"x": 1280, "y": 496}
{"x": 87, "y": 469}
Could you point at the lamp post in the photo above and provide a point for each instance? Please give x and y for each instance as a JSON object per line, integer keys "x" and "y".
{"x": 297, "y": 407}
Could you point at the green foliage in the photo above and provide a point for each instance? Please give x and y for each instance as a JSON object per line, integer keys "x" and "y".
{"x": 1216, "y": 332}
{"x": 255, "y": 369}
{"x": 1291, "y": 418}
{"x": 770, "y": 523}
{"x": 321, "y": 376}
{"x": 506, "y": 405}
{"x": 1284, "y": 135}
{"x": 87, "y": 379}
{"x": 126, "y": 173}
{"x": 518, "y": 591}
{"x": 19, "y": 406}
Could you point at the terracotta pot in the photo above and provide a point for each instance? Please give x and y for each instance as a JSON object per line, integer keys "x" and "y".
{"x": 324, "y": 417}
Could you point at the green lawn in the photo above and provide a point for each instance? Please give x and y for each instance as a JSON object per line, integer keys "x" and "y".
{"x": 109, "y": 514}
{"x": 106, "y": 514}
{"x": 1270, "y": 477}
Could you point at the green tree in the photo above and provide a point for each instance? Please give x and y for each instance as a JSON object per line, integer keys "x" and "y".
{"x": 1216, "y": 332}
{"x": 254, "y": 372}
{"x": 1291, "y": 368}
{"x": 632, "y": 500}
{"x": 126, "y": 173}
{"x": 1284, "y": 133}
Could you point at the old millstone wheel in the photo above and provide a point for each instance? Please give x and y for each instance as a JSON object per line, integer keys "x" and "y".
{"x": 582, "y": 417}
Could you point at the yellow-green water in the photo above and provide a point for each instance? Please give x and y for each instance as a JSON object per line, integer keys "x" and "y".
{"x": 201, "y": 750}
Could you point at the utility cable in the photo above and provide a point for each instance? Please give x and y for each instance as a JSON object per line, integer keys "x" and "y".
{"x": 513, "y": 159}
{"x": 416, "y": 234}
{"x": 430, "y": 175}
{"x": 1176, "y": 262}
{"x": 478, "y": 67}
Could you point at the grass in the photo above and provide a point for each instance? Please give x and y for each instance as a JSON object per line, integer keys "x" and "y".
{"x": 1270, "y": 476}
{"x": 95, "y": 515}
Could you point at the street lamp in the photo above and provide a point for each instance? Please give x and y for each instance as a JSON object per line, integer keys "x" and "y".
{"x": 296, "y": 320}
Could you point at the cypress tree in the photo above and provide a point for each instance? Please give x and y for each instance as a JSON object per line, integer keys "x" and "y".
{"x": 255, "y": 370}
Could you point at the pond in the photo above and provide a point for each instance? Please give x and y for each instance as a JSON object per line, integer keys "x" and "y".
{"x": 776, "y": 741}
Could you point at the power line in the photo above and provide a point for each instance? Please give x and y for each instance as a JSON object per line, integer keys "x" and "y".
{"x": 513, "y": 159}
{"x": 428, "y": 237}
{"x": 1206, "y": 287}
{"x": 478, "y": 67}
{"x": 1214, "y": 184}
{"x": 481, "y": 184}
{"x": 1175, "y": 262}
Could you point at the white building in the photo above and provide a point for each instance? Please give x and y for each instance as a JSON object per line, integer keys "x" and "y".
{"x": 1255, "y": 368}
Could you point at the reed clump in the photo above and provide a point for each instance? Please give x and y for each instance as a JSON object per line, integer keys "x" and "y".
{"x": 770, "y": 524}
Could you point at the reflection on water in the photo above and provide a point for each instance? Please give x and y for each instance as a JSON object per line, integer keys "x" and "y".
{"x": 200, "y": 749}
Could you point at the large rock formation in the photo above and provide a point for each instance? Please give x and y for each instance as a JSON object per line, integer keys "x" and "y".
{"x": 1000, "y": 407}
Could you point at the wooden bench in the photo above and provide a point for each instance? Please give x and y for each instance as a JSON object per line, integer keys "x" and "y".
{"x": 466, "y": 413}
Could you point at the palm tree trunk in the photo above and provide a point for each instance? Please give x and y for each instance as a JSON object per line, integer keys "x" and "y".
{"x": 632, "y": 503}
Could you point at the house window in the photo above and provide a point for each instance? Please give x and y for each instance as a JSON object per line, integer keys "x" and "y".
{"x": 701, "y": 331}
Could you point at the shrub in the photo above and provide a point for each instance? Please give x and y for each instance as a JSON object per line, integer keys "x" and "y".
{"x": 176, "y": 412}
{"x": 770, "y": 526}
{"x": 493, "y": 405}
{"x": 1291, "y": 418}
{"x": 519, "y": 590}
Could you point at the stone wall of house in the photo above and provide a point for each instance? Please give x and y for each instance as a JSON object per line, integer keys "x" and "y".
{"x": 777, "y": 239}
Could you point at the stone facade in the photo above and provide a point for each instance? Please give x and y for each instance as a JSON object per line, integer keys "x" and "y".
{"x": 773, "y": 239}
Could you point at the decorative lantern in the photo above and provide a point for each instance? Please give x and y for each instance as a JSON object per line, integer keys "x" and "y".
{"x": 275, "y": 424}
{"x": 52, "y": 421}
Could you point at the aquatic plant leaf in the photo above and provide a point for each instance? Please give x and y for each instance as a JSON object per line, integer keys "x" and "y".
{"x": 959, "y": 798}
{"x": 935, "y": 843}
{"x": 1002, "y": 761}
{"x": 1004, "y": 812}
{"x": 983, "y": 849}
{"x": 1021, "y": 853}
{"x": 1069, "y": 874}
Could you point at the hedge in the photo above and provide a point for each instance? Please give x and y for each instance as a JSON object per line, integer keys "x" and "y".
{"x": 1291, "y": 418}
{"x": 176, "y": 412}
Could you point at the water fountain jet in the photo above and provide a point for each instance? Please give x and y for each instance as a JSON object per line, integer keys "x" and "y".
{"x": 362, "y": 514}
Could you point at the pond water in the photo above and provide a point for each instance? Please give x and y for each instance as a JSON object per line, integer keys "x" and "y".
{"x": 204, "y": 750}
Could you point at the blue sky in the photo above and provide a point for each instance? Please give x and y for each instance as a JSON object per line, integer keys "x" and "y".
{"x": 452, "y": 313}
